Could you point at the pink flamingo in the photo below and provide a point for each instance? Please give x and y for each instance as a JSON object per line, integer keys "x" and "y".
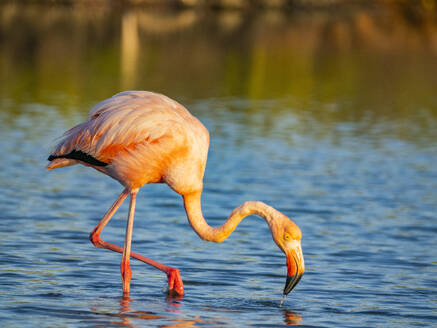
{"x": 139, "y": 137}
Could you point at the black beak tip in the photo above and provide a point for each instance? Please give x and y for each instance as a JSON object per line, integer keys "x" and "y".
{"x": 291, "y": 282}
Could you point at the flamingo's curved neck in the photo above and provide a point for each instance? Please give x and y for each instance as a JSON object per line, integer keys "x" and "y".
{"x": 192, "y": 203}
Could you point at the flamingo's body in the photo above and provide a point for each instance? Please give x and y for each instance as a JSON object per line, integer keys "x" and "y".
{"x": 139, "y": 137}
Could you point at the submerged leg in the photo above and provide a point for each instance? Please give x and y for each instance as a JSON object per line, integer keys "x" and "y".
{"x": 175, "y": 284}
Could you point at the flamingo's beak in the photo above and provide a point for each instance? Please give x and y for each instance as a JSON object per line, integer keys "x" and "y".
{"x": 295, "y": 268}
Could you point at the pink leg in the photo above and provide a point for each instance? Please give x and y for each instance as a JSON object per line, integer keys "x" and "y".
{"x": 126, "y": 272}
{"x": 175, "y": 285}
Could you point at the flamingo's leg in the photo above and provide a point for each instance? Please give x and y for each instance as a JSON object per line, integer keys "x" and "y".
{"x": 95, "y": 234}
{"x": 175, "y": 284}
{"x": 126, "y": 272}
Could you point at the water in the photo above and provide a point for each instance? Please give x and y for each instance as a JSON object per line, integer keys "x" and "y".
{"x": 338, "y": 132}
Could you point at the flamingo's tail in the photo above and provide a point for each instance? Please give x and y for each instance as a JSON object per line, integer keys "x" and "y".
{"x": 60, "y": 162}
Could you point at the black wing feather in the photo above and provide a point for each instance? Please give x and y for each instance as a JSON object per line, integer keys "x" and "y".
{"x": 80, "y": 156}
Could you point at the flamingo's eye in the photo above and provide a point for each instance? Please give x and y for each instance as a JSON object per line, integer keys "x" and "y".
{"x": 287, "y": 236}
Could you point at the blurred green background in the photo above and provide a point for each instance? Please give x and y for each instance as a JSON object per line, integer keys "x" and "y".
{"x": 337, "y": 60}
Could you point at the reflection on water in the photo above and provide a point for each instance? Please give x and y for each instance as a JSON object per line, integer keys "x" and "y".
{"x": 128, "y": 317}
{"x": 378, "y": 59}
{"x": 367, "y": 65}
{"x": 331, "y": 118}
{"x": 126, "y": 314}
{"x": 292, "y": 318}
{"x": 129, "y": 50}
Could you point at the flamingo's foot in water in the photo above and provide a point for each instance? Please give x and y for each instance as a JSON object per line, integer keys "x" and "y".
{"x": 175, "y": 284}
{"x": 126, "y": 275}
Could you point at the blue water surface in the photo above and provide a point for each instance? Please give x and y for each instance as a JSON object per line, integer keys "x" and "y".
{"x": 344, "y": 144}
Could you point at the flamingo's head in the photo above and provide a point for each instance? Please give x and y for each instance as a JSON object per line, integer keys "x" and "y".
{"x": 287, "y": 236}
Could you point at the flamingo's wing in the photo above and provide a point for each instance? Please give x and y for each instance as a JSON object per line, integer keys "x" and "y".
{"x": 121, "y": 124}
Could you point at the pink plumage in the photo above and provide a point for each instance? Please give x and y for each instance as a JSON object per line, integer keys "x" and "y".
{"x": 144, "y": 137}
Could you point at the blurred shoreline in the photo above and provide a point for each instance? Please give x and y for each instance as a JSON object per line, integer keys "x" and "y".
{"x": 367, "y": 63}
{"x": 284, "y": 5}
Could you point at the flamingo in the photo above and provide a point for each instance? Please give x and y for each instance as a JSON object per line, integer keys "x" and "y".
{"x": 140, "y": 137}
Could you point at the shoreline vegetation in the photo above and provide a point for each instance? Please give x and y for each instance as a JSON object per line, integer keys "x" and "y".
{"x": 375, "y": 62}
{"x": 287, "y": 5}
